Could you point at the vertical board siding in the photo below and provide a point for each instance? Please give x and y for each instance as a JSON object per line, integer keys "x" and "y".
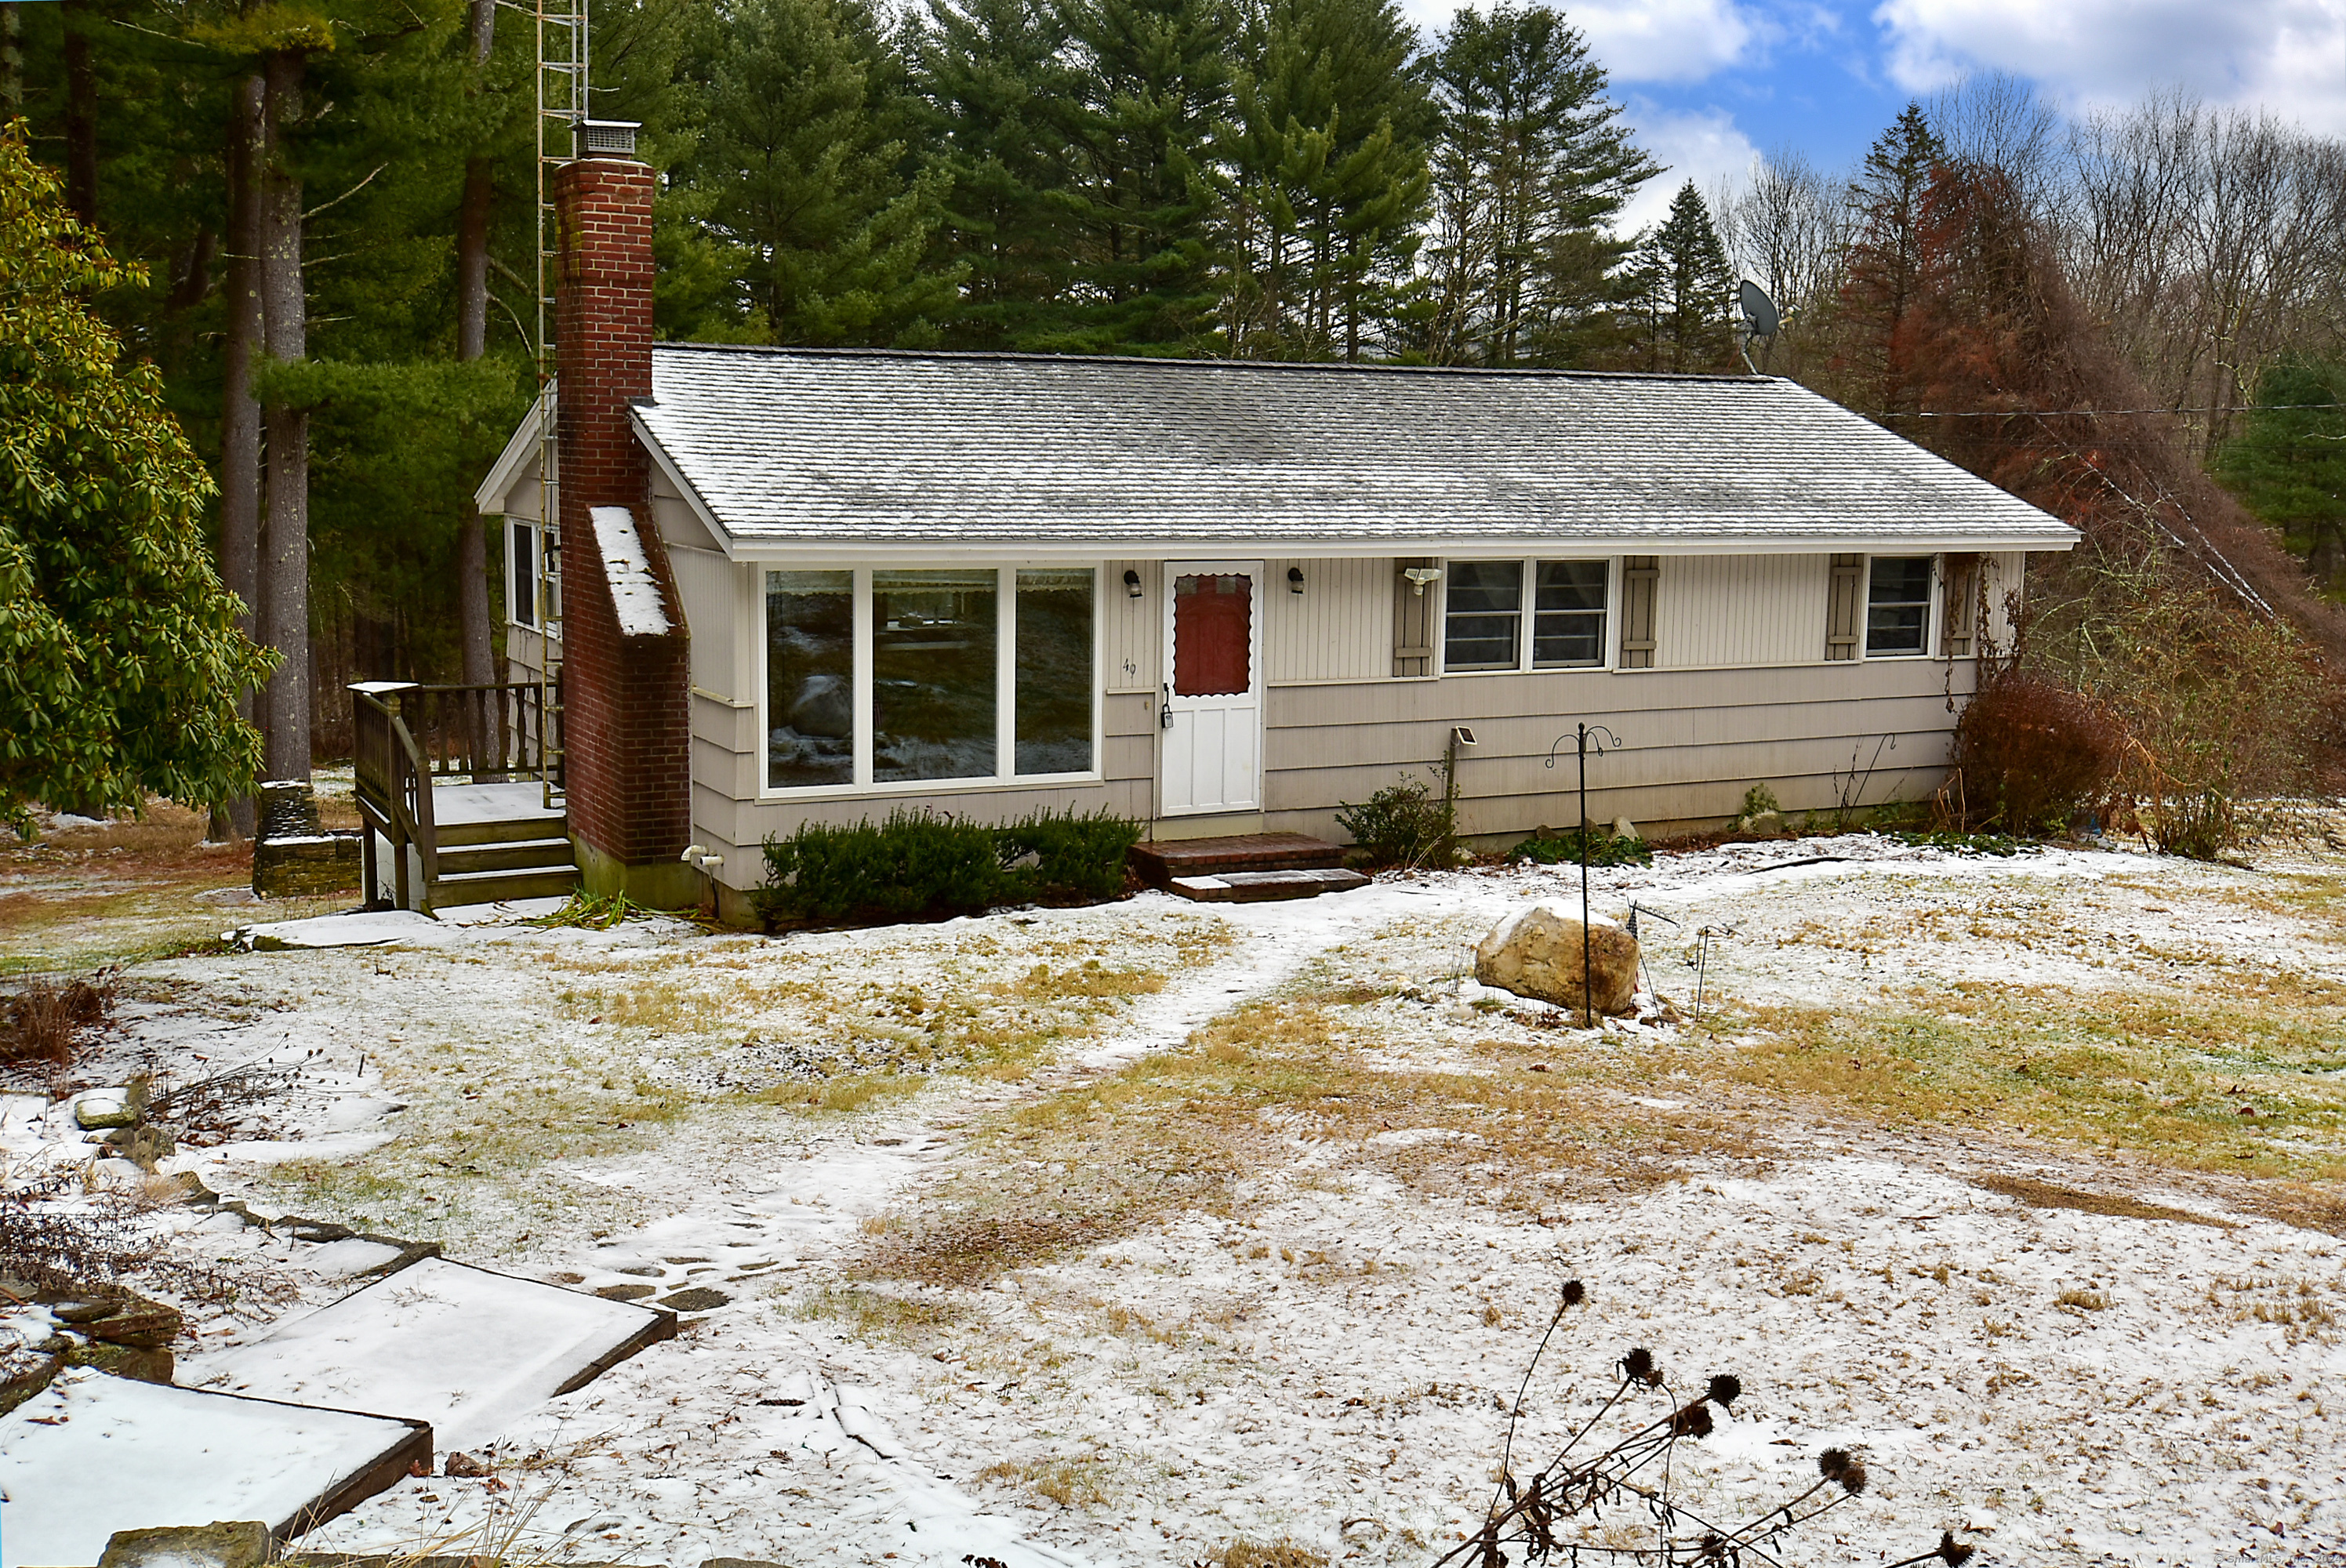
{"x": 1134, "y": 626}
{"x": 1413, "y": 621}
{"x": 710, "y": 586}
{"x": 1338, "y": 628}
{"x": 1714, "y": 612}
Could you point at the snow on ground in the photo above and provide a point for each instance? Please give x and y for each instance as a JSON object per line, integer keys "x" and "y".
{"x": 1114, "y": 1235}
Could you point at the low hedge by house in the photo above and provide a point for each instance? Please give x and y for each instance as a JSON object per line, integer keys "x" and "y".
{"x": 921, "y": 863}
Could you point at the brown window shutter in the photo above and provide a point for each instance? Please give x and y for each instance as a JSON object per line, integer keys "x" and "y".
{"x": 1961, "y": 603}
{"x": 1844, "y": 606}
{"x": 1638, "y": 576}
{"x": 1413, "y": 620}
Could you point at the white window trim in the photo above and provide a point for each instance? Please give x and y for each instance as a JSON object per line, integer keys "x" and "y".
{"x": 1932, "y": 611}
{"x": 1006, "y": 718}
{"x": 1609, "y": 642}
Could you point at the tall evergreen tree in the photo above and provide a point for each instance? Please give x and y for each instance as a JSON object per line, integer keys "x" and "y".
{"x": 2289, "y": 462}
{"x": 1533, "y": 165}
{"x": 1325, "y": 175}
{"x": 1885, "y": 262}
{"x": 1151, "y": 78}
{"x": 800, "y": 176}
{"x": 1685, "y": 290}
{"x": 992, "y": 79}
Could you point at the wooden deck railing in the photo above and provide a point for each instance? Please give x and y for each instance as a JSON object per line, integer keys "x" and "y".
{"x": 407, "y": 736}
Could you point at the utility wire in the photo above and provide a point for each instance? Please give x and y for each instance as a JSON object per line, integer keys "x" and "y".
{"x": 2058, "y": 413}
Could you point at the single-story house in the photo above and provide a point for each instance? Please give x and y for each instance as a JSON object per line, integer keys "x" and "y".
{"x": 803, "y": 584}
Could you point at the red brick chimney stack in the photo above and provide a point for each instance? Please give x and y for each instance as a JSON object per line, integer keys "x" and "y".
{"x": 625, "y": 728}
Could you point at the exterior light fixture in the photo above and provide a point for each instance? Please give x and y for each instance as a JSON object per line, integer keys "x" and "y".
{"x": 1131, "y": 584}
{"x": 1294, "y": 579}
{"x": 1419, "y": 576}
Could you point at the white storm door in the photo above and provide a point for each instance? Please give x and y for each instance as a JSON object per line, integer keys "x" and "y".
{"x": 1211, "y": 707}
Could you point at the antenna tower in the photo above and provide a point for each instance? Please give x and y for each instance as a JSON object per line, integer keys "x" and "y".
{"x": 561, "y": 110}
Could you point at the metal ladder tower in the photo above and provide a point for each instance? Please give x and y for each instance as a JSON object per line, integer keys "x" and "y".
{"x": 562, "y": 88}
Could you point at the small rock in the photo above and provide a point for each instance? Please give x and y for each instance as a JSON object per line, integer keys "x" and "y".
{"x": 626, "y": 1292}
{"x": 699, "y": 1298}
{"x": 1538, "y": 953}
{"x": 466, "y": 1466}
{"x": 1624, "y": 828}
{"x": 1766, "y": 824}
{"x": 101, "y": 1108}
{"x": 244, "y": 1544}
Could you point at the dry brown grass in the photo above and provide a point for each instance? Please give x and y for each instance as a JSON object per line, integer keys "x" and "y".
{"x": 1176, "y": 1131}
{"x": 1280, "y": 1553}
{"x": 2046, "y": 1194}
{"x": 1069, "y": 1483}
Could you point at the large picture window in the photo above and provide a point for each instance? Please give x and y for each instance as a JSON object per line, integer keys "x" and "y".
{"x": 1898, "y": 605}
{"x": 1484, "y": 612}
{"x": 1054, "y": 676}
{"x": 906, "y": 676}
{"x": 810, "y": 678}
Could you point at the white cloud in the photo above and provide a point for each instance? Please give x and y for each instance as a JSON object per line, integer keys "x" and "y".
{"x": 1704, "y": 147}
{"x": 2288, "y": 57}
{"x": 1638, "y": 40}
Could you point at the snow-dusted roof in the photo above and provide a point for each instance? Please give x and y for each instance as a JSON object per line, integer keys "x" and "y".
{"x": 788, "y": 451}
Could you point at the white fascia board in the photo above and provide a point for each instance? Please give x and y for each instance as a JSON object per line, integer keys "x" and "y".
{"x": 847, "y": 548}
{"x": 513, "y": 462}
{"x": 685, "y": 488}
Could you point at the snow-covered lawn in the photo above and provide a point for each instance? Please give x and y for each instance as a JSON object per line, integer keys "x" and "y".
{"x": 1121, "y": 1235}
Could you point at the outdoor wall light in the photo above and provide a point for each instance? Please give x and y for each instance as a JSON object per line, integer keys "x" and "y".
{"x": 1131, "y": 584}
{"x": 1294, "y": 579}
{"x": 1419, "y": 576}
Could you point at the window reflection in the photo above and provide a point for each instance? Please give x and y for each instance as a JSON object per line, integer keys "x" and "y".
{"x": 810, "y": 678}
{"x": 1054, "y": 701}
{"x": 933, "y": 675}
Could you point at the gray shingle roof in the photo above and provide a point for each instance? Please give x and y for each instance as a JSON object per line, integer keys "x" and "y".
{"x": 795, "y": 449}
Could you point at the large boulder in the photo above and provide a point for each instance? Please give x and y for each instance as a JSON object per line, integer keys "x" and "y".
{"x": 1536, "y": 952}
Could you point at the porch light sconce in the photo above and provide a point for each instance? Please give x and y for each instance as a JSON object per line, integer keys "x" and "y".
{"x": 1419, "y": 576}
{"x": 1294, "y": 579}
{"x": 1462, "y": 736}
{"x": 1131, "y": 584}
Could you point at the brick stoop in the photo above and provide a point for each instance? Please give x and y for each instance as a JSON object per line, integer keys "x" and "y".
{"x": 1246, "y": 868}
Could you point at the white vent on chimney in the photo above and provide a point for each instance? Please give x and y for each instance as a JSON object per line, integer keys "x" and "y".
{"x": 607, "y": 138}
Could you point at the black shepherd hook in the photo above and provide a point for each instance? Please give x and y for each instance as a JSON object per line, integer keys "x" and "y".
{"x": 1584, "y": 735}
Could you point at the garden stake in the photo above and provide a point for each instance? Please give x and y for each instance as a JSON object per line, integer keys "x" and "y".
{"x": 1585, "y": 735}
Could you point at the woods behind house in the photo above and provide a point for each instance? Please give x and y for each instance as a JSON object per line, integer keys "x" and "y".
{"x": 335, "y": 205}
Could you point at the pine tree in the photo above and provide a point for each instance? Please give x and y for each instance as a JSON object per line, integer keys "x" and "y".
{"x": 1684, "y": 309}
{"x": 1533, "y": 165}
{"x": 1326, "y": 176}
{"x": 1885, "y": 261}
{"x": 2289, "y": 462}
{"x": 799, "y": 178}
{"x": 1151, "y": 77}
{"x": 991, "y": 79}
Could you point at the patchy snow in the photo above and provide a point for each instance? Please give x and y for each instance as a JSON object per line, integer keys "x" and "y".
{"x": 635, "y": 592}
{"x": 1326, "y": 1354}
{"x": 90, "y": 1455}
{"x": 364, "y": 928}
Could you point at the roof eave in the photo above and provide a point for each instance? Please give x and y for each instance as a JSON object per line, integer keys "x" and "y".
{"x": 684, "y": 484}
{"x": 812, "y": 546}
{"x": 514, "y": 460}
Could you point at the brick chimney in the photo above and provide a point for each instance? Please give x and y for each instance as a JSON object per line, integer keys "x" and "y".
{"x": 627, "y": 681}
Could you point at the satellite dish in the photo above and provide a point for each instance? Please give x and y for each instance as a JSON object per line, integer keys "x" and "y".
{"x": 1760, "y": 317}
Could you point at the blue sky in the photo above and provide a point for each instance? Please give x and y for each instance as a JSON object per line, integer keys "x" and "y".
{"x": 1709, "y": 82}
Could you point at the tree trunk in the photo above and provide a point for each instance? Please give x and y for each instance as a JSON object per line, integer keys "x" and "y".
{"x": 284, "y": 606}
{"x": 240, "y": 415}
{"x": 472, "y": 342}
{"x": 11, "y": 60}
{"x": 81, "y": 115}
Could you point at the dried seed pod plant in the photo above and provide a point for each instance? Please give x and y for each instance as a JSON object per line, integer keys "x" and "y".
{"x": 1542, "y": 1514}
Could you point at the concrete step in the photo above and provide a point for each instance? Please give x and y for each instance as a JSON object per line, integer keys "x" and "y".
{"x": 502, "y": 887}
{"x": 515, "y": 855}
{"x": 1262, "y": 887}
{"x": 1159, "y": 863}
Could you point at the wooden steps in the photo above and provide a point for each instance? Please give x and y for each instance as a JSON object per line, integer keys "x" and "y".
{"x": 496, "y": 849}
{"x": 1246, "y": 868}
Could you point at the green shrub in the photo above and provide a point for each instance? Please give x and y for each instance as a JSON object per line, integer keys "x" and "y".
{"x": 1956, "y": 841}
{"x": 918, "y": 862}
{"x": 1403, "y": 824}
{"x": 1758, "y": 801}
{"x": 1080, "y": 857}
{"x": 1563, "y": 849}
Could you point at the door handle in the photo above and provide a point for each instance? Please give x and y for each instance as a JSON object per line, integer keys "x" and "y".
{"x": 1165, "y": 711}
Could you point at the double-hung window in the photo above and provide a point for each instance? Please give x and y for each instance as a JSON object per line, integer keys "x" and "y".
{"x": 902, "y": 676}
{"x": 1897, "y": 606}
{"x": 1484, "y": 604}
{"x": 521, "y": 571}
